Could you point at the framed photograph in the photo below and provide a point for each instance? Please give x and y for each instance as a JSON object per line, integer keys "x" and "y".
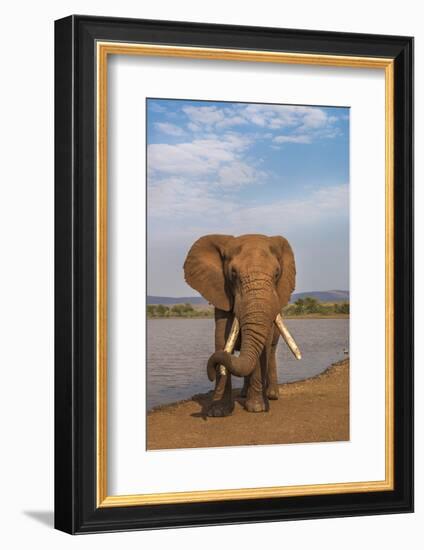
{"x": 234, "y": 269}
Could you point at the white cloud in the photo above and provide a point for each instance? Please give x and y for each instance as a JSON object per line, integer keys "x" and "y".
{"x": 282, "y": 123}
{"x": 157, "y": 107}
{"x": 229, "y": 121}
{"x": 187, "y": 158}
{"x": 271, "y": 116}
{"x": 293, "y": 139}
{"x": 200, "y": 157}
{"x": 204, "y": 115}
{"x": 194, "y": 127}
{"x": 203, "y": 208}
{"x": 295, "y": 117}
{"x": 319, "y": 206}
{"x": 184, "y": 202}
{"x": 170, "y": 129}
{"x": 237, "y": 174}
{"x": 313, "y": 118}
{"x": 295, "y": 120}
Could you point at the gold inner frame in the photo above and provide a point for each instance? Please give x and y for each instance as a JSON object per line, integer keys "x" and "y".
{"x": 104, "y": 49}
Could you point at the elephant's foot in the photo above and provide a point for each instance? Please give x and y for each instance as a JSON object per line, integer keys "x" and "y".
{"x": 255, "y": 403}
{"x": 221, "y": 407}
{"x": 272, "y": 391}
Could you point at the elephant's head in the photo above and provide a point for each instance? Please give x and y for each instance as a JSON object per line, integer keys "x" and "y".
{"x": 252, "y": 275}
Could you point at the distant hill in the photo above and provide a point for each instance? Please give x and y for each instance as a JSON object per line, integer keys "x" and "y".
{"x": 169, "y": 301}
{"x": 322, "y": 295}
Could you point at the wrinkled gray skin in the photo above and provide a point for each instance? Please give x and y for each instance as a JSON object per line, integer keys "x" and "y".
{"x": 251, "y": 277}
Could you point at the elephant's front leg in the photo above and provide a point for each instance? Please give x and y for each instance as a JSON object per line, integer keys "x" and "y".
{"x": 256, "y": 400}
{"x": 222, "y": 399}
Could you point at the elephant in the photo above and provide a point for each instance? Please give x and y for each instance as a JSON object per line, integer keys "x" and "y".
{"x": 248, "y": 279}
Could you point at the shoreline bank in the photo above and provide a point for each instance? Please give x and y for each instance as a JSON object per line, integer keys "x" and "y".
{"x": 310, "y": 410}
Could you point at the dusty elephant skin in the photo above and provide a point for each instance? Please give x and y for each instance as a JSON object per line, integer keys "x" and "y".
{"x": 309, "y": 411}
{"x": 251, "y": 278}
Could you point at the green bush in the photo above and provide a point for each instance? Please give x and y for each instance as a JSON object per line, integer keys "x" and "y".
{"x": 308, "y": 305}
{"x": 178, "y": 310}
{"x": 342, "y": 308}
{"x": 151, "y": 310}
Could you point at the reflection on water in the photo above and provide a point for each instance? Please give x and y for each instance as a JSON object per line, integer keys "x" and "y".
{"x": 178, "y": 349}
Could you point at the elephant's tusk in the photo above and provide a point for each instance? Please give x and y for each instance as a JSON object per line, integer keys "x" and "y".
{"x": 288, "y": 338}
{"x": 231, "y": 342}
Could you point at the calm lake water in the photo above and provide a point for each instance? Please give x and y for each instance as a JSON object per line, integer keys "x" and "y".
{"x": 178, "y": 350}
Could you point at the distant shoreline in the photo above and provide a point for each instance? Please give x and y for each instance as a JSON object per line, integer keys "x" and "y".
{"x": 307, "y": 308}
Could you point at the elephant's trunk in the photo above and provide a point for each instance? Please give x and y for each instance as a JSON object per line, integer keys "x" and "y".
{"x": 256, "y": 312}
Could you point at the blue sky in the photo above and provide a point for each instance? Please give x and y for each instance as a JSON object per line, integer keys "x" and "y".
{"x": 235, "y": 168}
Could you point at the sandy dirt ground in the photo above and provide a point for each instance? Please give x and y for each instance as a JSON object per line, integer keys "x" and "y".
{"x": 312, "y": 410}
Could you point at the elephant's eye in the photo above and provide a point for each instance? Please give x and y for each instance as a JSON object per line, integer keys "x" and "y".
{"x": 233, "y": 274}
{"x": 277, "y": 273}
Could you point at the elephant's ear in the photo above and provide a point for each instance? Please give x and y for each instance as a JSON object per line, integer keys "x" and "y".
{"x": 203, "y": 269}
{"x": 287, "y": 282}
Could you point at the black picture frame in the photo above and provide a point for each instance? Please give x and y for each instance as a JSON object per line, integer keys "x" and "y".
{"x": 76, "y": 510}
